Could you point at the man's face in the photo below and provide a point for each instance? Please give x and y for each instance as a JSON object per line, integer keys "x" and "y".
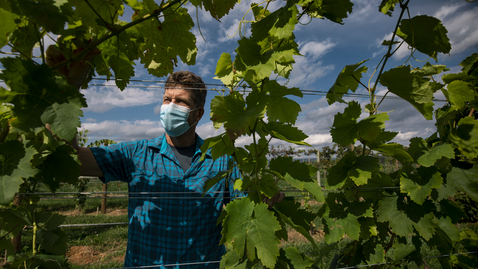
{"x": 184, "y": 98}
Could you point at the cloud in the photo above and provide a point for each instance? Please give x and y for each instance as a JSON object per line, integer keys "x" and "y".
{"x": 461, "y": 27}
{"x": 231, "y": 33}
{"x": 315, "y": 49}
{"x": 101, "y": 99}
{"x": 123, "y": 130}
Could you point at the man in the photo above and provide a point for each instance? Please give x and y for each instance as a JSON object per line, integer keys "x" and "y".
{"x": 171, "y": 222}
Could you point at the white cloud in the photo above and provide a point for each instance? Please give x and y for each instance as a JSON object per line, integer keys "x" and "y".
{"x": 101, "y": 99}
{"x": 444, "y": 11}
{"x": 90, "y": 120}
{"x": 123, "y": 130}
{"x": 315, "y": 49}
{"x": 319, "y": 139}
{"x": 462, "y": 29}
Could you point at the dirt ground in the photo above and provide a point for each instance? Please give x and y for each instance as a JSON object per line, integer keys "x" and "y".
{"x": 84, "y": 255}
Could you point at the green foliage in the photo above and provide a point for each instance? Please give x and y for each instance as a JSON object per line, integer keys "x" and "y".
{"x": 408, "y": 208}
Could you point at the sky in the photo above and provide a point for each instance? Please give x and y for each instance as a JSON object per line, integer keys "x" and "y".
{"x": 326, "y": 48}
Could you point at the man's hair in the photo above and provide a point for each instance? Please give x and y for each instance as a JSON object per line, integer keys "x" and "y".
{"x": 189, "y": 81}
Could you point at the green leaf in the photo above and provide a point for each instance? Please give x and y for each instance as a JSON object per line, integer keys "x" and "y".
{"x": 388, "y": 6}
{"x": 296, "y": 169}
{"x": 218, "y": 8}
{"x": 459, "y": 93}
{"x": 7, "y": 25}
{"x": 62, "y": 157}
{"x": 334, "y": 10}
{"x": 401, "y": 251}
{"x": 250, "y": 228}
{"x": 350, "y": 225}
{"x": 465, "y": 137}
{"x": 267, "y": 185}
{"x": 344, "y": 127}
{"x": 348, "y": 79}
{"x": 426, "y": 226}
{"x": 398, "y": 220}
{"x": 426, "y": 34}
{"x": 434, "y": 154}
{"x": 466, "y": 180}
{"x": 35, "y": 90}
{"x": 420, "y": 186}
{"x": 166, "y": 40}
{"x": 280, "y": 108}
{"x": 411, "y": 87}
{"x": 23, "y": 39}
{"x": 299, "y": 228}
{"x": 449, "y": 228}
{"x": 15, "y": 166}
{"x": 395, "y": 150}
{"x": 232, "y": 111}
{"x": 359, "y": 169}
{"x": 378, "y": 257}
{"x": 280, "y": 24}
{"x": 286, "y": 132}
{"x": 371, "y": 128}
{"x": 63, "y": 119}
{"x": 430, "y": 70}
{"x": 298, "y": 260}
{"x": 224, "y": 65}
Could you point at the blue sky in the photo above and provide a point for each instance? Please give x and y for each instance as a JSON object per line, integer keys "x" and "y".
{"x": 327, "y": 47}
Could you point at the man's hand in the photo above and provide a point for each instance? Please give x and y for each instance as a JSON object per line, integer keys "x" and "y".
{"x": 272, "y": 201}
{"x": 76, "y": 71}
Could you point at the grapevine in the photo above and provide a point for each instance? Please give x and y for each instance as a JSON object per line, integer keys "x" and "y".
{"x": 388, "y": 228}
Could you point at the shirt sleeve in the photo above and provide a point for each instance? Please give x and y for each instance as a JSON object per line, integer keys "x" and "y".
{"x": 116, "y": 161}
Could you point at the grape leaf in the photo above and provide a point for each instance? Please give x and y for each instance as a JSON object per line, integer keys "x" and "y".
{"x": 465, "y": 180}
{"x": 63, "y": 119}
{"x": 300, "y": 229}
{"x": 348, "y": 79}
{"x": 280, "y": 24}
{"x": 334, "y": 10}
{"x": 426, "y": 226}
{"x": 7, "y": 26}
{"x": 224, "y": 65}
{"x": 378, "y": 257}
{"x": 388, "y": 6}
{"x": 22, "y": 40}
{"x": 298, "y": 260}
{"x": 402, "y": 250}
{"x": 279, "y": 107}
{"x": 166, "y": 40}
{"x": 35, "y": 90}
{"x": 394, "y": 149}
{"x": 251, "y": 227}
{"x": 61, "y": 157}
{"x": 359, "y": 169}
{"x": 449, "y": 228}
{"x": 344, "y": 127}
{"x": 429, "y": 157}
{"x": 398, "y": 220}
{"x": 426, "y": 34}
{"x": 286, "y": 132}
{"x": 370, "y": 128}
{"x": 350, "y": 225}
{"x": 232, "y": 111}
{"x": 14, "y": 167}
{"x": 459, "y": 93}
{"x": 296, "y": 169}
{"x": 420, "y": 186}
{"x": 413, "y": 88}
{"x": 217, "y": 8}
{"x": 465, "y": 137}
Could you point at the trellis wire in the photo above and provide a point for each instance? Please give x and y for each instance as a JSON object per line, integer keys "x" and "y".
{"x": 349, "y": 267}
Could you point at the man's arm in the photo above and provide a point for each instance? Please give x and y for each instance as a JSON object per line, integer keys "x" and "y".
{"x": 89, "y": 166}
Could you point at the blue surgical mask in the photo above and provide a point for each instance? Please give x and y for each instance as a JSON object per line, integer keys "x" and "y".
{"x": 174, "y": 119}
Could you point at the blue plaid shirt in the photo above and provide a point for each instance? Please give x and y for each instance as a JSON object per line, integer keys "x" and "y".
{"x": 175, "y": 224}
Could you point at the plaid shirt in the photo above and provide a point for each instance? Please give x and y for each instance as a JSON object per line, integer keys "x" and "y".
{"x": 174, "y": 224}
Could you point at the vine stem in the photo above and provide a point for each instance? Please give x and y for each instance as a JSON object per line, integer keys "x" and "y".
{"x": 101, "y": 18}
{"x": 114, "y": 32}
{"x": 388, "y": 55}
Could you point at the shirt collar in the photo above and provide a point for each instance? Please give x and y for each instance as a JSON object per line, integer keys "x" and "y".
{"x": 161, "y": 144}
